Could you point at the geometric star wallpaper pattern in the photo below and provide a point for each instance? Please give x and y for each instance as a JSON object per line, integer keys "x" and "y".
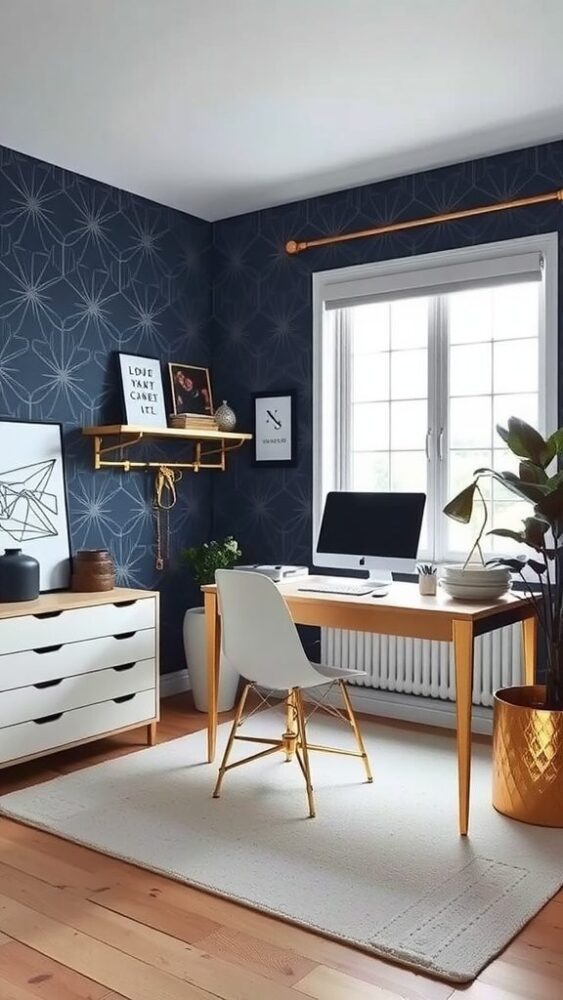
{"x": 262, "y": 309}
{"x": 85, "y": 271}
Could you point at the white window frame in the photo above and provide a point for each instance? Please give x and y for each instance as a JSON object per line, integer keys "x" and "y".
{"x": 343, "y": 284}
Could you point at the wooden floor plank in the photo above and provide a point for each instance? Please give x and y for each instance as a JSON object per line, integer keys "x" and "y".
{"x": 271, "y": 961}
{"x": 134, "y": 979}
{"x": 36, "y": 975}
{"x": 161, "y": 951}
{"x": 329, "y": 984}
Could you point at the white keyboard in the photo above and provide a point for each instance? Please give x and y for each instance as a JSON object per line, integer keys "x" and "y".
{"x": 359, "y": 589}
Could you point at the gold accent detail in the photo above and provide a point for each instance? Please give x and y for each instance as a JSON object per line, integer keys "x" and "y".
{"x": 293, "y": 741}
{"x": 527, "y": 757}
{"x": 130, "y": 435}
{"x": 293, "y": 247}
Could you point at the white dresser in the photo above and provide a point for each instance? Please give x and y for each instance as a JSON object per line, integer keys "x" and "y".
{"x": 75, "y": 667}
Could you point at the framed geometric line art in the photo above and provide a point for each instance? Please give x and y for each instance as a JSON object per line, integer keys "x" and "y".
{"x": 33, "y": 504}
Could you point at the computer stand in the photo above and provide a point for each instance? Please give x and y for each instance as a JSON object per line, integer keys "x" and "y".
{"x": 381, "y": 581}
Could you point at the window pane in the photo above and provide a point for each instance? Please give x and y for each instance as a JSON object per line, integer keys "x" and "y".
{"x": 370, "y": 471}
{"x": 515, "y": 312}
{"x": 370, "y": 328}
{"x": 409, "y": 422}
{"x": 409, "y": 471}
{"x": 462, "y": 465}
{"x": 516, "y": 366}
{"x": 509, "y": 515}
{"x": 370, "y": 426}
{"x": 409, "y": 323}
{"x": 370, "y": 377}
{"x": 471, "y": 424}
{"x": 470, "y": 370}
{"x": 524, "y": 405}
{"x": 470, "y": 316}
{"x": 409, "y": 374}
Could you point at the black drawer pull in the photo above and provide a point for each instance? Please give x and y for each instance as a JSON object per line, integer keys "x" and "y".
{"x": 48, "y": 614}
{"x": 124, "y": 666}
{"x": 48, "y": 684}
{"x": 123, "y": 604}
{"x": 48, "y": 718}
{"x": 124, "y": 635}
{"x": 49, "y": 649}
{"x": 124, "y": 697}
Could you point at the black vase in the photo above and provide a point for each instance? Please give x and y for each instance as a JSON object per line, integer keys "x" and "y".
{"x": 19, "y": 577}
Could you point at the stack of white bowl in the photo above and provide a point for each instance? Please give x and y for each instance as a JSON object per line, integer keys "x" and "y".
{"x": 475, "y": 583}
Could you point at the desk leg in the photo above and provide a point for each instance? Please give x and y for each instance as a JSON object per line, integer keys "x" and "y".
{"x": 530, "y": 642}
{"x": 463, "y": 652}
{"x": 213, "y": 640}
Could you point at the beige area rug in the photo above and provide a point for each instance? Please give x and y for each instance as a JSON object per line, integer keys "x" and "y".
{"x": 381, "y": 867}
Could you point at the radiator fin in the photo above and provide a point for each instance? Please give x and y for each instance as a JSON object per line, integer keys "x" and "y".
{"x": 423, "y": 666}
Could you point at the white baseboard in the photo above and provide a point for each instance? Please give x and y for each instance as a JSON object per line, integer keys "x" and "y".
{"x": 412, "y": 708}
{"x": 175, "y": 682}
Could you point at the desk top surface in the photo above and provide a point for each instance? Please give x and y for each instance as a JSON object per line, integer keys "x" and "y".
{"x": 404, "y": 597}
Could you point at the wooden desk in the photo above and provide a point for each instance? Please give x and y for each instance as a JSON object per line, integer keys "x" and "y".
{"x": 403, "y": 612}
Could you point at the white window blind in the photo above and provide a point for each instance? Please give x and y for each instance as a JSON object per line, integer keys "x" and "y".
{"x": 437, "y": 280}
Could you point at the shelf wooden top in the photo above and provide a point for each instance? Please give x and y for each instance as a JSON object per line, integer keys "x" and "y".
{"x": 178, "y": 433}
{"x": 402, "y": 598}
{"x": 66, "y": 600}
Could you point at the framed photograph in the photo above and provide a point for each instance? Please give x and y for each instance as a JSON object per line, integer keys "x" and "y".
{"x": 33, "y": 504}
{"x": 191, "y": 389}
{"x": 142, "y": 391}
{"x": 274, "y": 428}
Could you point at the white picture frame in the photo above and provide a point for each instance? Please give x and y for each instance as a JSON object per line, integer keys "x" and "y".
{"x": 142, "y": 391}
{"x": 33, "y": 501}
{"x": 274, "y": 429}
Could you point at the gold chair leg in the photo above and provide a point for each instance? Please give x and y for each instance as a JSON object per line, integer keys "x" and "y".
{"x": 356, "y": 728}
{"x": 290, "y": 735}
{"x": 230, "y": 741}
{"x": 302, "y": 737}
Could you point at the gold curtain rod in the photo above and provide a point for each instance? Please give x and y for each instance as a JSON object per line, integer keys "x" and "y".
{"x": 297, "y": 246}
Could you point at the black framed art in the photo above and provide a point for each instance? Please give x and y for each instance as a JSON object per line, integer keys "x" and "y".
{"x": 142, "y": 391}
{"x": 275, "y": 428}
{"x": 190, "y": 386}
{"x": 33, "y": 500}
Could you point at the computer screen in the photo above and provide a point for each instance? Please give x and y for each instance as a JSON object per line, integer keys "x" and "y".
{"x": 380, "y": 526}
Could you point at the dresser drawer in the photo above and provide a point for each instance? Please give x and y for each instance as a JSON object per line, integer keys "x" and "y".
{"x": 52, "y": 733}
{"x": 28, "y": 703}
{"x": 34, "y": 631}
{"x": 49, "y": 663}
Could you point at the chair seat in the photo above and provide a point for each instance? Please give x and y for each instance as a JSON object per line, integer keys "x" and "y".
{"x": 327, "y": 673}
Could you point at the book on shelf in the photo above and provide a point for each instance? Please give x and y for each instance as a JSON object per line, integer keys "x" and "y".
{"x": 193, "y": 421}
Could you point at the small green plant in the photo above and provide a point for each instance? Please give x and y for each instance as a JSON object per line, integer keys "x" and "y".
{"x": 204, "y": 559}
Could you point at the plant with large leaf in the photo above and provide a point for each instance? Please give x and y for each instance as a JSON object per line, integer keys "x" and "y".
{"x": 542, "y": 532}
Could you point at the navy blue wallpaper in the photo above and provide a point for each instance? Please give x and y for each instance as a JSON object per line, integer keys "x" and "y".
{"x": 262, "y": 321}
{"x": 86, "y": 270}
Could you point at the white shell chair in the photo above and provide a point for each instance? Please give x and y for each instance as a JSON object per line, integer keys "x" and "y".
{"x": 261, "y": 641}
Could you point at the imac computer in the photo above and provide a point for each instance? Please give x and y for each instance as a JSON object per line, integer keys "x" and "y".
{"x": 377, "y": 532}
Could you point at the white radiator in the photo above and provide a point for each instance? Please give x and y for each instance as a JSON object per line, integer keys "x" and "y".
{"x": 424, "y": 667}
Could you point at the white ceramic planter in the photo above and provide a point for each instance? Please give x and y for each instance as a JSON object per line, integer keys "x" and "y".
{"x": 196, "y": 662}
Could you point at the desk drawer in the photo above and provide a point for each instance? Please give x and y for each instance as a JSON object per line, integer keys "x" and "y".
{"x": 52, "y": 662}
{"x": 54, "y": 733}
{"x": 28, "y": 703}
{"x": 36, "y": 631}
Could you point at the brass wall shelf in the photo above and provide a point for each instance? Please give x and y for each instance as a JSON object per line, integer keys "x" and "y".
{"x": 206, "y": 444}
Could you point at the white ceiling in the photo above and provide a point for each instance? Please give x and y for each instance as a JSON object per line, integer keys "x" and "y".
{"x": 222, "y": 106}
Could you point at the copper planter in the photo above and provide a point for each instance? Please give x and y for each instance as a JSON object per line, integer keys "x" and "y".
{"x": 92, "y": 571}
{"x": 527, "y": 757}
